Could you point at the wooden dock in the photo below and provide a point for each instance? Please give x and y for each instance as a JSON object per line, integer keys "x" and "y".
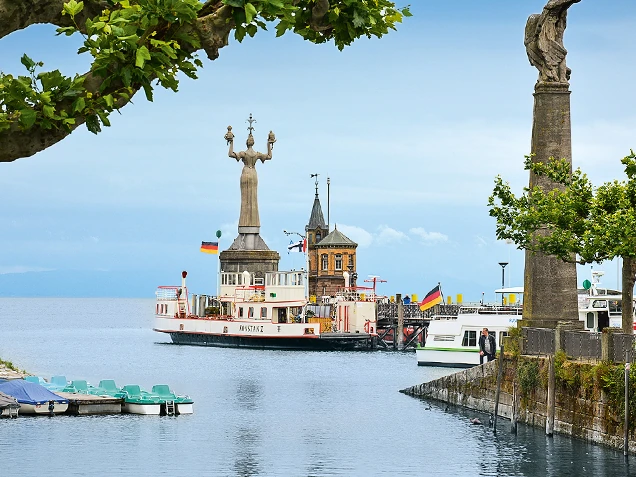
{"x": 87, "y": 404}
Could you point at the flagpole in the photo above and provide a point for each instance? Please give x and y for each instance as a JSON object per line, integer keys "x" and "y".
{"x": 218, "y": 270}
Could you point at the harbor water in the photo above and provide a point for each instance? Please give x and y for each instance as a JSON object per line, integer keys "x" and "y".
{"x": 256, "y": 412}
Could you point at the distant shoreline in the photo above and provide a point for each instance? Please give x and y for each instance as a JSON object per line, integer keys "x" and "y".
{"x": 9, "y": 371}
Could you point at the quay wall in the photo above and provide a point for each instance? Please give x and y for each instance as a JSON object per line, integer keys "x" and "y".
{"x": 582, "y": 409}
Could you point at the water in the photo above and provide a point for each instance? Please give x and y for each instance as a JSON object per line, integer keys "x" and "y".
{"x": 257, "y": 413}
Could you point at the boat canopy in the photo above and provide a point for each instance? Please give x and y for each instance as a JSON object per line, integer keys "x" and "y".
{"x": 517, "y": 290}
{"x": 30, "y": 393}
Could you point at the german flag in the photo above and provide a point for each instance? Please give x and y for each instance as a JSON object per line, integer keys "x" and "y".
{"x": 431, "y": 299}
{"x": 210, "y": 247}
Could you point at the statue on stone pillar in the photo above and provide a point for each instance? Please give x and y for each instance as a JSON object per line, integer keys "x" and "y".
{"x": 544, "y": 42}
{"x": 249, "y": 221}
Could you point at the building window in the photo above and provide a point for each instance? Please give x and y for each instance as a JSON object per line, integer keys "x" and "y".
{"x": 324, "y": 261}
{"x": 338, "y": 261}
{"x": 318, "y": 237}
{"x": 351, "y": 261}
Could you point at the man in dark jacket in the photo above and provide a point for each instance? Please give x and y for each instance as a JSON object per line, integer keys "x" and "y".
{"x": 487, "y": 346}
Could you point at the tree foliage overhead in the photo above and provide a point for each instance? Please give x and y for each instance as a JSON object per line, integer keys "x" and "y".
{"x": 593, "y": 223}
{"x": 138, "y": 44}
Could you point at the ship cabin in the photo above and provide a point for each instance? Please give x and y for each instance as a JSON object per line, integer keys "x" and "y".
{"x": 278, "y": 298}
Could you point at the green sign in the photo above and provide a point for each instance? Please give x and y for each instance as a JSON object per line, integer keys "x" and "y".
{"x": 218, "y": 234}
{"x": 587, "y": 284}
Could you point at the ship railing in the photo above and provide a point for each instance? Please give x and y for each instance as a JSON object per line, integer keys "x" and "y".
{"x": 167, "y": 292}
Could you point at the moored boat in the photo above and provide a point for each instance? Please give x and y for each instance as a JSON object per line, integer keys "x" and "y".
{"x": 34, "y": 398}
{"x": 271, "y": 315}
{"x": 452, "y": 341}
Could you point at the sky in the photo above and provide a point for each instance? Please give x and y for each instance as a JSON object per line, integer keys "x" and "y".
{"x": 411, "y": 130}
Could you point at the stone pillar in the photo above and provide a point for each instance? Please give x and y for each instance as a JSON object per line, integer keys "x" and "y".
{"x": 549, "y": 283}
{"x": 399, "y": 335}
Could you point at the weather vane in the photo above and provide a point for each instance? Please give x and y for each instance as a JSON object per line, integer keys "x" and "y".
{"x": 250, "y": 120}
{"x": 316, "y": 176}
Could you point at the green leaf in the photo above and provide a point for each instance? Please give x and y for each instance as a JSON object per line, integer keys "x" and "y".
{"x": 108, "y": 99}
{"x": 142, "y": 56}
{"x": 79, "y": 104}
{"x": 27, "y": 62}
{"x": 234, "y": 3}
{"x": 48, "y": 111}
{"x": 27, "y": 118}
{"x": 250, "y": 12}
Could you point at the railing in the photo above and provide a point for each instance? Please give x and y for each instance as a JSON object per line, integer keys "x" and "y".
{"x": 538, "y": 340}
{"x": 582, "y": 344}
{"x": 622, "y": 343}
{"x": 610, "y": 346}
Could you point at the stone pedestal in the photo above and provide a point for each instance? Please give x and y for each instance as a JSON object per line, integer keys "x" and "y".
{"x": 550, "y": 293}
{"x": 257, "y": 262}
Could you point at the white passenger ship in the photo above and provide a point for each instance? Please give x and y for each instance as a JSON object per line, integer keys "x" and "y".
{"x": 272, "y": 315}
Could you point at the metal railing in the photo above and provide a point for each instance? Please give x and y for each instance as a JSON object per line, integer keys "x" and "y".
{"x": 582, "y": 344}
{"x": 538, "y": 340}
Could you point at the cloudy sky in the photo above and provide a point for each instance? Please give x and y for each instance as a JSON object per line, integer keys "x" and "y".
{"x": 411, "y": 129}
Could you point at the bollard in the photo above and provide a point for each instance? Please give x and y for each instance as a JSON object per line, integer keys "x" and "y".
{"x": 626, "y": 424}
{"x": 549, "y": 421}
{"x": 499, "y": 375}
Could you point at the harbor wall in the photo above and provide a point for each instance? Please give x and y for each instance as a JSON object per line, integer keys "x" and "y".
{"x": 587, "y": 401}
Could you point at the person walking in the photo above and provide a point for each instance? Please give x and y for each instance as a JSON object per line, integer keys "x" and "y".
{"x": 487, "y": 346}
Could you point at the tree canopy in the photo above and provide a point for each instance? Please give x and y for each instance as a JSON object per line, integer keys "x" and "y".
{"x": 575, "y": 220}
{"x": 138, "y": 44}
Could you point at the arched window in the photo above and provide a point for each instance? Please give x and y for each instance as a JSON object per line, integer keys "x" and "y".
{"x": 324, "y": 261}
{"x": 338, "y": 261}
{"x": 318, "y": 237}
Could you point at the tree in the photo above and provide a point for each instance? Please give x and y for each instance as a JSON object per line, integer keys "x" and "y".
{"x": 575, "y": 221}
{"x": 137, "y": 44}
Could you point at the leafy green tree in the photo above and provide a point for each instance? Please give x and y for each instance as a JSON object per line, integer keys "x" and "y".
{"x": 138, "y": 44}
{"x": 574, "y": 221}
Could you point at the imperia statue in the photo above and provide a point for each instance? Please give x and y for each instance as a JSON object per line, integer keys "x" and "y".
{"x": 248, "y": 219}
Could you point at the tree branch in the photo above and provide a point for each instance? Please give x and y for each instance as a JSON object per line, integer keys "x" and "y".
{"x": 212, "y": 28}
{"x": 18, "y": 14}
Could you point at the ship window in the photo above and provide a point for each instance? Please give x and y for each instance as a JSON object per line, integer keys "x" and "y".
{"x": 599, "y": 304}
{"x": 264, "y": 313}
{"x": 470, "y": 338}
{"x": 251, "y": 312}
{"x": 589, "y": 320}
{"x": 338, "y": 261}
{"x": 615, "y": 306}
{"x": 241, "y": 312}
{"x": 325, "y": 261}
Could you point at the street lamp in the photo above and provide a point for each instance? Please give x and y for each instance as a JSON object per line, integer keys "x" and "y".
{"x": 503, "y": 281}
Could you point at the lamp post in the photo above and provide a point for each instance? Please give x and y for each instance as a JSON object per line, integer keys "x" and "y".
{"x": 503, "y": 276}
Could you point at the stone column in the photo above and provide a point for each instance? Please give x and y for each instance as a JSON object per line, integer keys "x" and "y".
{"x": 550, "y": 292}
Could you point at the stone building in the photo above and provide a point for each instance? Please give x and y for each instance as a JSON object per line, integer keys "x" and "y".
{"x": 330, "y": 255}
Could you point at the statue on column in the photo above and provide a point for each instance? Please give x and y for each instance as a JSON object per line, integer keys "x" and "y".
{"x": 249, "y": 221}
{"x": 544, "y": 42}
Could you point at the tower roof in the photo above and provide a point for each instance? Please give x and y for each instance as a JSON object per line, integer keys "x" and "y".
{"x": 336, "y": 238}
{"x": 316, "y": 219}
